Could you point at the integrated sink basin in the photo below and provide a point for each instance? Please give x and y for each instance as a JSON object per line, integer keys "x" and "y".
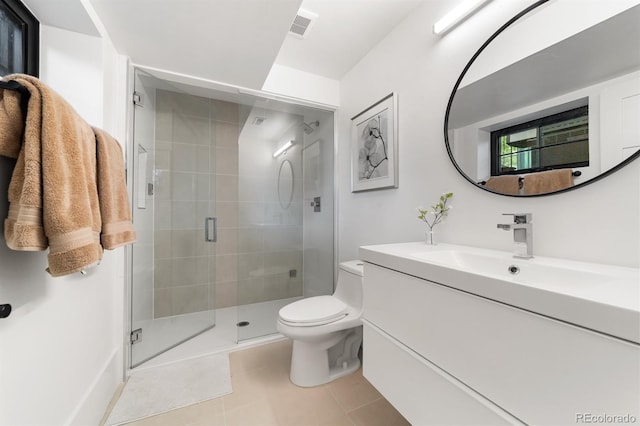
{"x": 541, "y": 272}
{"x": 605, "y": 298}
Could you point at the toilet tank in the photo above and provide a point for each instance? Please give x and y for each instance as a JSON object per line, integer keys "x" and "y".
{"x": 349, "y": 286}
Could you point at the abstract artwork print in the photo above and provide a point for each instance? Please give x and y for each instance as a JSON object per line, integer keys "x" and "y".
{"x": 374, "y": 147}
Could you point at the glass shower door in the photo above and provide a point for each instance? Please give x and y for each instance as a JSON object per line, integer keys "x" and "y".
{"x": 285, "y": 196}
{"x": 173, "y": 261}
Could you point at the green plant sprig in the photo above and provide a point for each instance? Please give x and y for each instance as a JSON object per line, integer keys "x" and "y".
{"x": 439, "y": 211}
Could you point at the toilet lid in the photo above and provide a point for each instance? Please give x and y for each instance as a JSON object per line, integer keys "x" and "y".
{"x": 314, "y": 309}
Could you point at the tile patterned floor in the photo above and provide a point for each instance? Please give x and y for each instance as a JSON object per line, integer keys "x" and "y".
{"x": 263, "y": 395}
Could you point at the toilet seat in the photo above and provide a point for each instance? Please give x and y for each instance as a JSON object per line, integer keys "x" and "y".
{"x": 313, "y": 311}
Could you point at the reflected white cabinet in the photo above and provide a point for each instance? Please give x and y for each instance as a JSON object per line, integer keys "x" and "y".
{"x": 443, "y": 356}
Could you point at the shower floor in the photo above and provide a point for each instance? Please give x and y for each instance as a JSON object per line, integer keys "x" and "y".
{"x": 226, "y": 336}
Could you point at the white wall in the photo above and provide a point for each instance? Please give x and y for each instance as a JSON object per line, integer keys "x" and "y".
{"x": 61, "y": 348}
{"x": 560, "y": 19}
{"x": 598, "y": 223}
{"x": 302, "y": 85}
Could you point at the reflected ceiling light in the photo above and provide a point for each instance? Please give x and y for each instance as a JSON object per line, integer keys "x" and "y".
{"x": 457, "y": 15}
{"x": 283, "y": 148}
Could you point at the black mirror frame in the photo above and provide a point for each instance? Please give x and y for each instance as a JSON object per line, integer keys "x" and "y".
{"x": 453, "y": 93}
{"x": 31, "y": 42}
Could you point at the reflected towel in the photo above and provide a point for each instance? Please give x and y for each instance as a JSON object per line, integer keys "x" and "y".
{"x": 507, "y": 184}
{"x": 549, "y": 181}
{"x": 53, "y": 193}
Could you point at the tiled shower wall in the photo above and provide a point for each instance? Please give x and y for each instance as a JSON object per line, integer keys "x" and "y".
{"x": 270, "y": 232}
{"x": 204, "y": 167}
{"x": 196, "y": 173}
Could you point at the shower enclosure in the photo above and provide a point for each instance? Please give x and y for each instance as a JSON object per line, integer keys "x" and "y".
{"x": 232, "y": 198}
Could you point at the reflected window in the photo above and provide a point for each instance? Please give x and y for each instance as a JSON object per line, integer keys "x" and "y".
{"x": 18, "y": 39}
{"x": 553, "y": 142}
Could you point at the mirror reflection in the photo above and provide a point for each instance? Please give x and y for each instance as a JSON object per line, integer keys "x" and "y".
{"x": 285, "y": 184}
{"x": 555, "y": 119}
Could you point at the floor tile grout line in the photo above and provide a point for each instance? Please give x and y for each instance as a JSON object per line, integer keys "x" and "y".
{"x": 344, "y": 409}
{"x": 224, "y": 411}
{"x": 365, "y": 404}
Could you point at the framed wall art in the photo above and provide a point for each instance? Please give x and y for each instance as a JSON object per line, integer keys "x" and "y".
{"x": 374, "y": 146}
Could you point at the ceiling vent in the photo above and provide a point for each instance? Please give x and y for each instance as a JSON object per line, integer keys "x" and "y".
{"x": 257, "y": 121}
{"x": 302, "y": 23}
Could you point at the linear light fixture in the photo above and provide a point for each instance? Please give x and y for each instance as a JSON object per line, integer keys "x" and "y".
{"x": 457, "y": 15}
{"x": 283, "y": 148}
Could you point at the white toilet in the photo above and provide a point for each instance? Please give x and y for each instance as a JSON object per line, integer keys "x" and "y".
{"x": 326, "y": 330}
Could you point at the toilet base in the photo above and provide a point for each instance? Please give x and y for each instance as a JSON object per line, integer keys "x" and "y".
{"x": 312, "y": 366}
{"x": 304, "y": 376}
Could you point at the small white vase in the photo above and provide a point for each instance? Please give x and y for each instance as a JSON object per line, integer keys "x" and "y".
{"x": 429, "y": 237}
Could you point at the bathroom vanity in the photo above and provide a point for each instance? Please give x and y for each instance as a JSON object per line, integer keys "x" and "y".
{"x": 461, "y": 335}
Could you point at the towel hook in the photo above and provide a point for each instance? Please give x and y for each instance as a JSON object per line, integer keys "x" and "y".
{"x": 5, "y": 310}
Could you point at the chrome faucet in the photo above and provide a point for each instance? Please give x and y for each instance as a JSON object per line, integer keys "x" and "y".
{"x": 522, "y": 234}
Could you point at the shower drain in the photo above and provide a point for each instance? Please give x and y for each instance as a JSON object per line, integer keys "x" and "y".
{"x": 243, "y": 323}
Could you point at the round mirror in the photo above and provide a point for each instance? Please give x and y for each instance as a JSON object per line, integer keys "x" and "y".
{"x": 285, "y": 184}
{"x": 534, "y": 115}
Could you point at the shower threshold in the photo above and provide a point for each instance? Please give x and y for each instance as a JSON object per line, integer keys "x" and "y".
{"x": 227, "y": 336}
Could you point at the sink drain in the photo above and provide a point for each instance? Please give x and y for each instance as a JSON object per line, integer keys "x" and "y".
{"x": 243, "y": 323}
{"x": 513, "y": 269}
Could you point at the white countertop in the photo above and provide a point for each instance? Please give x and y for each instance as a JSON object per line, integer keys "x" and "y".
{"x": 599, "y": 297}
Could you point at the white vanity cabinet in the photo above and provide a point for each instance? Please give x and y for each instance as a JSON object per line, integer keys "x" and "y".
{"x": 444, "y": 356}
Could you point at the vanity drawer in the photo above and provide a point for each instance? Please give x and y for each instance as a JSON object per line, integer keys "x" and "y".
{"x": 424, "y": 394}
{"x": 540, "y": 370}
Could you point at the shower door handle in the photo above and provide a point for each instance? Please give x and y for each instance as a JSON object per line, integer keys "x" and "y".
{"x": 209, "y": 236}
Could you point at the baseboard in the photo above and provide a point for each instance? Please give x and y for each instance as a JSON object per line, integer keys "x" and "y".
{"x": 112, "y": 403}
{"x": 92, "y": 407}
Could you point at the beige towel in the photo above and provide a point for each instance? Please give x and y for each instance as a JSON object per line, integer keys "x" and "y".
{"x": 117, "y": 229}
{"x": 506, "y": 184}
{"x": 12, "y": 123}
{"x": 53, "y": 193}
{"x": 549, "y": 181}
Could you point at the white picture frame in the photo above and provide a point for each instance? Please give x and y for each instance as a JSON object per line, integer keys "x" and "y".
{"x": 374, "y": 146}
